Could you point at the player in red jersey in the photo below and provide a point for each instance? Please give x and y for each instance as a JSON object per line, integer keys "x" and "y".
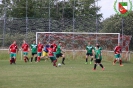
{"x": 54, "y": 48}
{"x": 117, "y": 52}
{"x": 51, "y": 55}
{"x": 39, "y": 51}
{"x": 25, "y": 49}
{"x": 13, "y": 49}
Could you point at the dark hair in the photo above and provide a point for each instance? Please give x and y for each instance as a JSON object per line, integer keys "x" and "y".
{"x": 97, "y": 45}
{"x": 51, "y": 46}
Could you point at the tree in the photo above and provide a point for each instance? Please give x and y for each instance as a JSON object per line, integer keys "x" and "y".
{"x": 114, "y": 25}
{"x": 83, "y": 13}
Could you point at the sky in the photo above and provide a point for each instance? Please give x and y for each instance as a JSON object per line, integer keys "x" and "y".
{"x": 107, "y": 7}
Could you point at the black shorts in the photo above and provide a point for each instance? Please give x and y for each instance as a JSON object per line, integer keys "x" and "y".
{"x": 33, "y": 54}
{"x": 59, "y": 55}
{"x": 98, "y": 60}
{"x": 89, "y": 54}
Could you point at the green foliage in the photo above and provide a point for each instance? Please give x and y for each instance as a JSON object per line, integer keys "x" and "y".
{"x": 9, "y": 38}
{"x": 40, "y": 12}
{"x": 114, "y": 25}
{"x": 40, "y": 8}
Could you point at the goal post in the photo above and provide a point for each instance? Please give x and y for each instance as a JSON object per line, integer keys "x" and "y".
{"x": 77, "y": 41}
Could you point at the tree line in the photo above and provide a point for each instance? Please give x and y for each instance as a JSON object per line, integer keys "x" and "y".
{"x": 63, "y": 15}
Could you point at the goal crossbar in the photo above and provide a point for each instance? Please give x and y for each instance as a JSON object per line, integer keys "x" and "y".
{"x": 78, "y": 33}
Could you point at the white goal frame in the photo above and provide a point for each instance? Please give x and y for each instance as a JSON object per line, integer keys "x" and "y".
{"x": 78, "y": 33}
{"x": 73, "y": 33}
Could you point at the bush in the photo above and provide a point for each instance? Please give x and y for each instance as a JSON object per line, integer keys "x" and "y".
{"x": 18, "y": 38}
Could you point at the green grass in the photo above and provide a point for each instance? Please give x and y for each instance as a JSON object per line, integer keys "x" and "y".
{"x": 75, "y": 74}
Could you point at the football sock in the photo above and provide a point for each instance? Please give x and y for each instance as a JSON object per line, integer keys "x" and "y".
{"x": 14, "y": 60}
{"x": 27, "y": 58}
{"x": 54, "y": 63}
{"x": 35, "y": 58}
{"x": 11, "y": 61}
{"x": 115, "y": 61}
{"x": 38, "y": 59}
{"x": 120, "y": 62}
{"x": 86, "y": 59}
{"x": 101, "y": 65}
{"x": 31, "y": 59}
{"x": 95, "y": 65}
{"x": 63, "y": 59}
{"x": 91, "y": 59}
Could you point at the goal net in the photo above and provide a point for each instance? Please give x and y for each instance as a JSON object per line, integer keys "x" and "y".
{"x": 77, "y": 41}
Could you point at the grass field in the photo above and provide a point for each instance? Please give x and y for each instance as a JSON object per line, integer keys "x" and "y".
{"x": 75, "y": 74}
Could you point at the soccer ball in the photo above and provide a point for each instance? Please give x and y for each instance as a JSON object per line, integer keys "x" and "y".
{"x": 59, "y": 64}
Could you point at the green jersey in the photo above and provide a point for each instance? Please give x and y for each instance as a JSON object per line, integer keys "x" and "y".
{"x": 98, "y": 53}
{"x": 89, "y": 49}
{"x": 58, "y": 50}
{"x": 34, "y": 48}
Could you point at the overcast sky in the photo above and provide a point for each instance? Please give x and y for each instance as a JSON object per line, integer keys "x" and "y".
{"x": 106, "y": 8}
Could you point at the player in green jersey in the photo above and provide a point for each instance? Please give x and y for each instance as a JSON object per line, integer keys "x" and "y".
{"x": 89, "y": 50}
{"x": 98, "y": 56}
{"x": 34, "y": 50}
{"x": 59, "y": 53}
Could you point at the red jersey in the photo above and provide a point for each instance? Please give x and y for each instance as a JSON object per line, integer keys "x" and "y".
{"x": 50, "y": 52}
{"x": 117, "y": 50}
{"x": 54, "y": 47}
{"x": 39, "y": 47}
{"x": 25, "y": 47}
{"x": 13, "y": 48}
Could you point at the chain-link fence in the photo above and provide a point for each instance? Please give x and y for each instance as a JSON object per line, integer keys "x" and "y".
{"x": 51, "y": 16}
{"x": 21, "y": 19}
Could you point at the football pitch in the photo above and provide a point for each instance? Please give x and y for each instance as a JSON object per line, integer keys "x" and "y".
{"x": 75, "y": 74}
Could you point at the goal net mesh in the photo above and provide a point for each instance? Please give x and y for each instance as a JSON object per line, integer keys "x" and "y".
{"x": 78, "y": 41}
{"x": 74, "y": 42}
